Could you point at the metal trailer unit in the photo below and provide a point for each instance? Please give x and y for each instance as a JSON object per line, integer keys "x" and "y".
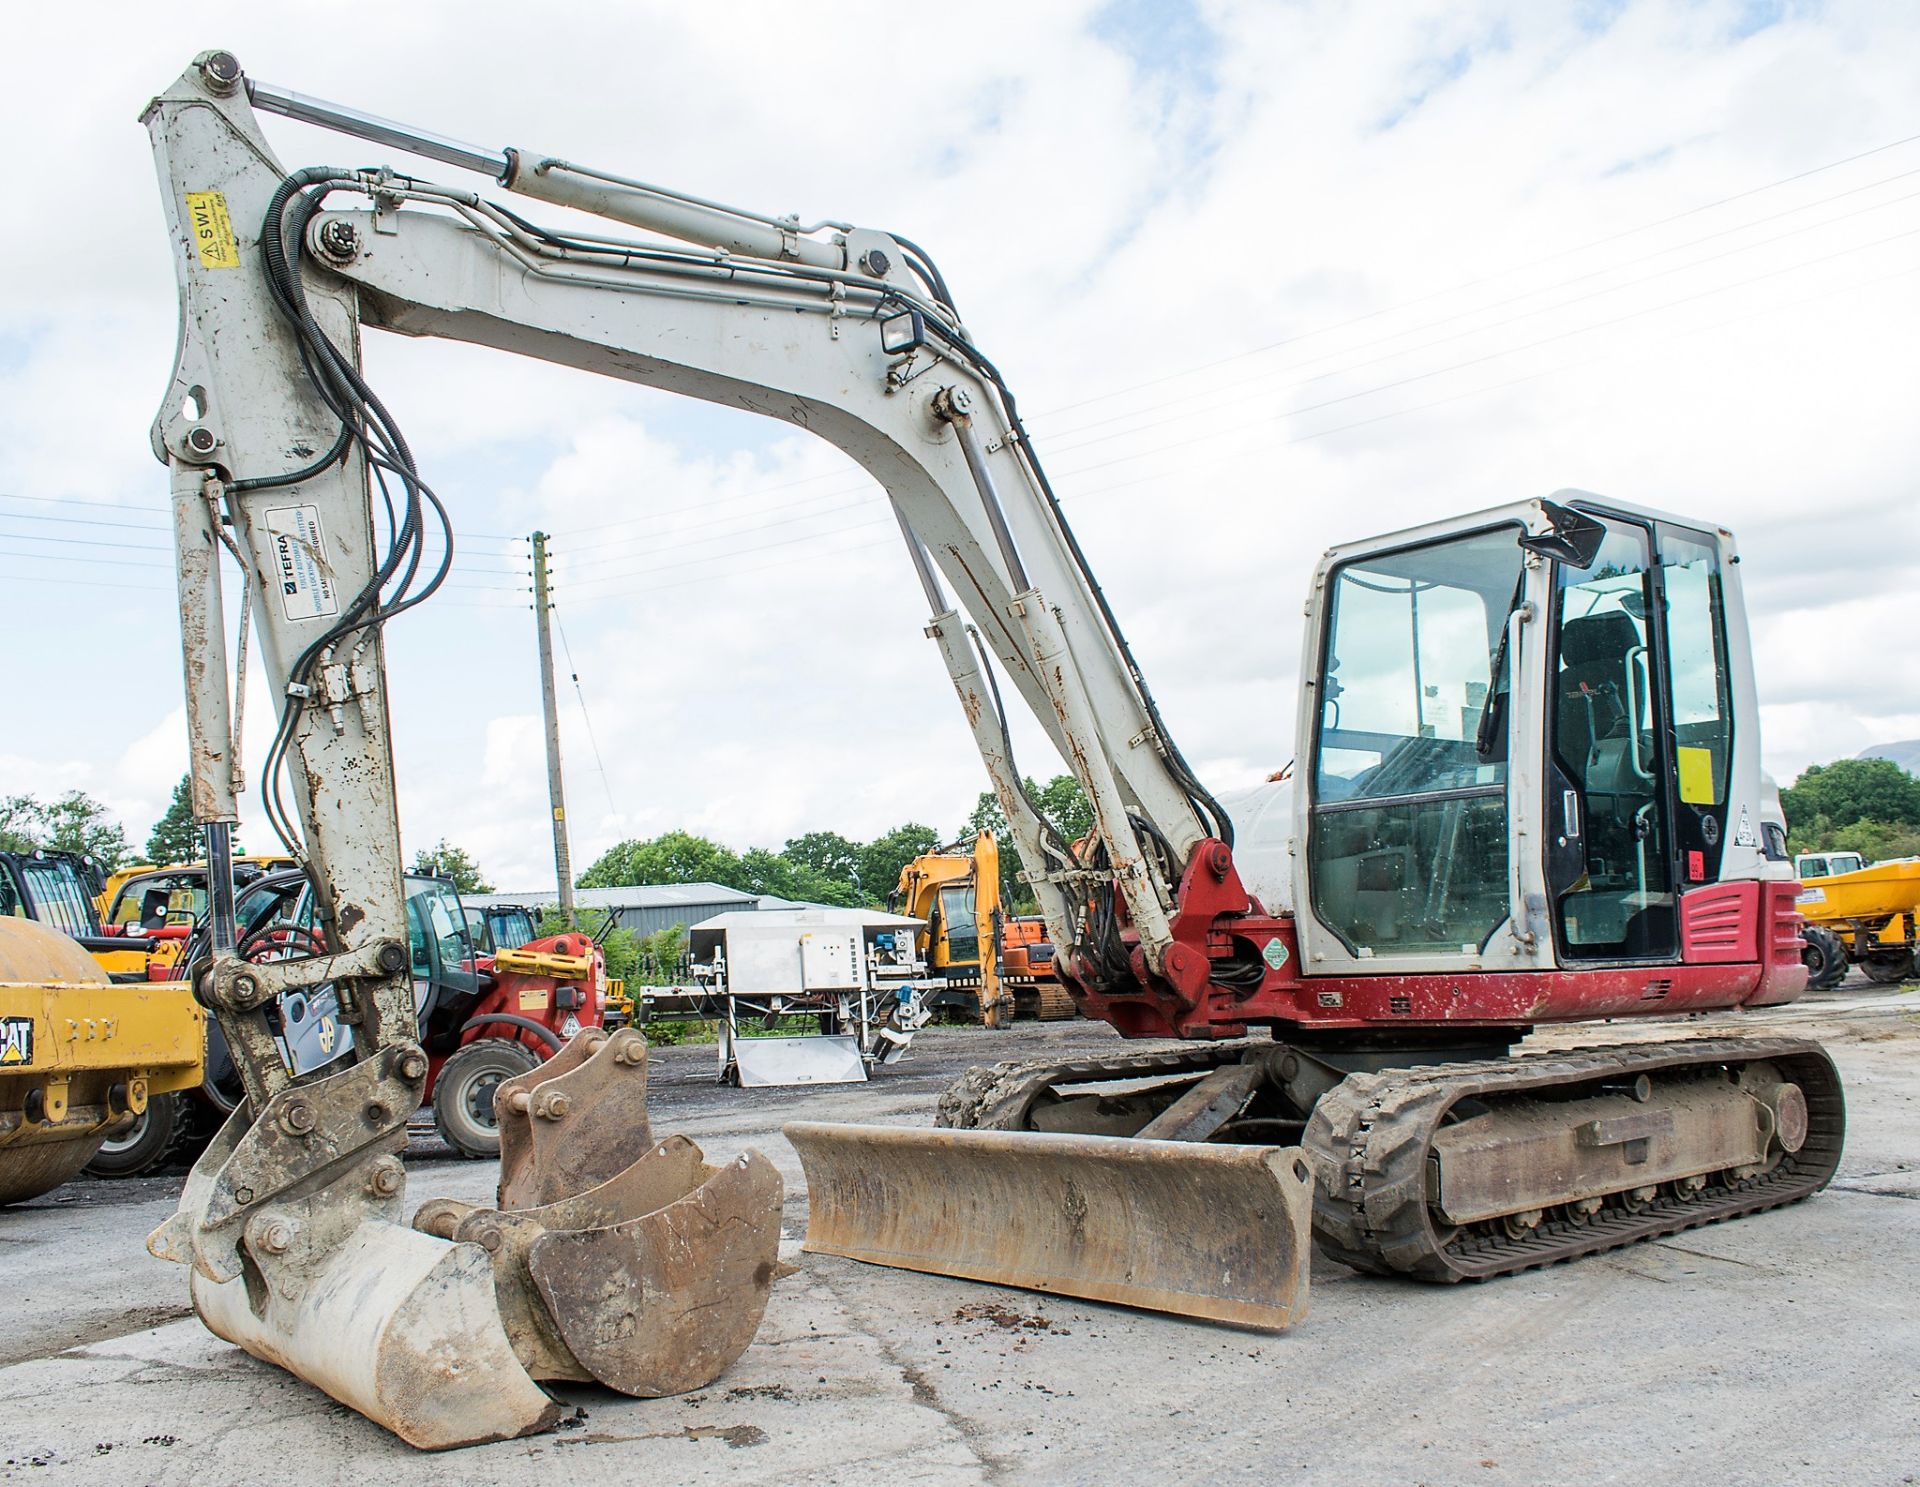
{"x": 856, "y": 973}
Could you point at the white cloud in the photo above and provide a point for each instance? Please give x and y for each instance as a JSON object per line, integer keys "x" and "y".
{"x": 1436, "y": 221}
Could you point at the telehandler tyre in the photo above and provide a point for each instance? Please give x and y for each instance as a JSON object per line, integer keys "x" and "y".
{"x": 463, "y": 1095}
{"x": 1825, "y": 957}
{"x": 159, "y": 1134}
{"x": 1889, "y": 969}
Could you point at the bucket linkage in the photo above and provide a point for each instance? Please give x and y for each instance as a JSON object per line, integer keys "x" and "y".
{"x": 649, "y": 1276}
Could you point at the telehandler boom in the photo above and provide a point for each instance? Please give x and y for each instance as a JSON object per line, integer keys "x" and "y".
{"x": 1529, "y": 792}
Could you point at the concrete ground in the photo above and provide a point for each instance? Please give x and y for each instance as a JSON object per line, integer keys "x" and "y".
{"x": 1782, "y": 1348}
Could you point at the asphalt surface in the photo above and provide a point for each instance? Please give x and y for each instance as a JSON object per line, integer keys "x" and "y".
{"x": 1781, "y": 1348}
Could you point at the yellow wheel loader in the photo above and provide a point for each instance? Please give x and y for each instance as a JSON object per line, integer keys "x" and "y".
{"x": 80, "y": 1056}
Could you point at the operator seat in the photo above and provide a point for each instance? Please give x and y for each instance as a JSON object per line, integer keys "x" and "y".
{"x": 1592, "y": 704}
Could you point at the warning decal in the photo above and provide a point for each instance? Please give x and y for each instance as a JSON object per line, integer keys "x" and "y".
{"x": 301, "y": 571}
{"x": 16, "y": 1042}
{"x": 212, "y": 229}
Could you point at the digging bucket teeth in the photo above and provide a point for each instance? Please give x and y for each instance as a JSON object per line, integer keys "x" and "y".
{"x": 649, "y": 1276}
{"x": 1215, "y": 1232}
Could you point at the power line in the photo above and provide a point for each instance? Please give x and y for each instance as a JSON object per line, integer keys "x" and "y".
{"x": 1228, "y": 455}
{"x": 1489, "y": 278}
{"x": 89, "y": 583}
{"x": 1544, "y": 289}
{"x": 1043, "y": 415}
{"x": 163, "y": 552}
{"x": 574, "y": 672}
{"x": 1285, "y": 414}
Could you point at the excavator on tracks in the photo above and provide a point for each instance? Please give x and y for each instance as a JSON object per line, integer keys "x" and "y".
{"x": 1529, "y": 793}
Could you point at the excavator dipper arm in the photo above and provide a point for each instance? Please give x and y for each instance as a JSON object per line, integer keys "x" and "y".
{"x": 281, "y": 453}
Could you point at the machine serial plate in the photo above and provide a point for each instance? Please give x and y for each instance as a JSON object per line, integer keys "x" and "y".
{"x": 301, "y": 569}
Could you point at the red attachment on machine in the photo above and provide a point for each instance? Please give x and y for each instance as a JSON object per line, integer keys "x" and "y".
{"x": 530, "y": 1001}
{"x": 1740, "y": 947}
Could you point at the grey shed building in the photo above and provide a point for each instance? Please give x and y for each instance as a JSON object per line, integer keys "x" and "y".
{"x": 646, "y": 909}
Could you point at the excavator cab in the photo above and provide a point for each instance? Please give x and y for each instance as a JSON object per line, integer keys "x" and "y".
{"x": 1521, "y": 756}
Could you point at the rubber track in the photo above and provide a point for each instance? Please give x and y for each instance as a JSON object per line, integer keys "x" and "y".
{"x": 996, "y": 1097}
{"x": 1370, "y": 1136}
{"x": 1052, "y": 1002}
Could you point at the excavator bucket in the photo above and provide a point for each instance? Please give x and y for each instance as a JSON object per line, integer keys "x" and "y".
{"x": 647, "y": 1275}
{"x": 1216, "y": 1232}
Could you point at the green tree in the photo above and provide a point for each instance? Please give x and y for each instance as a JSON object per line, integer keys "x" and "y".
{"x": 680, "y": 857}
{"x": 671, "y": 857}
{"x": 882, "y": 858}
{"x": 19, "y": 823}
{"x": 75, "y": 822}
{"x": 1850, "y": 790}
{"x": 1878, "y": 841}
{"x": 445, "y": 860}
{"x": 176, "y": 836}
{"x": 828, "y": 854}
{"x": 659, "y": 956}
{"x": 762, "y": 871}
{"x": 1061, "y": 801}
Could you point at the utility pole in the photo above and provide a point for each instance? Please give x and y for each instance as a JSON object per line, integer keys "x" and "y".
{"x": 542, "y": 611}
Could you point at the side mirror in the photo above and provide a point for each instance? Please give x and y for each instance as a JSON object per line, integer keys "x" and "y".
{"x": 1573, "y": 538}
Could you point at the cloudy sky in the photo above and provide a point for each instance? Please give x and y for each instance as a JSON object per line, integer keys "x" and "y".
{"x": 1267, "y": 276}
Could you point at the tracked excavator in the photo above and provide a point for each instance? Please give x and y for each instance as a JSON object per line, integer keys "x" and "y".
{"x": 1529, "y": 793}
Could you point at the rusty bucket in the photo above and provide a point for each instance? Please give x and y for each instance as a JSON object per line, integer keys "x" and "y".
{"x": 1216, "y": 1232}
{"x": 648, "y": 1275}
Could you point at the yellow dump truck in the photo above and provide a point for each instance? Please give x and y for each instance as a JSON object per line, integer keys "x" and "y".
{"x": 80, "y": 1056}
{"x": 1864, "y": 916}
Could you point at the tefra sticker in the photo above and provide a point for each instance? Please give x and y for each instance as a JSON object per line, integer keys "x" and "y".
{"x": 16, "y": 1042}
{"x": 300, "y": 568}
{"x": 212, "y": 229}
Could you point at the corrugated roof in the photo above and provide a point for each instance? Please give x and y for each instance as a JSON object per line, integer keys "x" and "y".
{"x": 640, "y": 896}
{"x": 803, "y": 917}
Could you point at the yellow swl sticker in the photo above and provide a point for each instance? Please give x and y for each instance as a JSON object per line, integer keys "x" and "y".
{"x": 1696, "y": 775}
{"x": 212, "y": 229}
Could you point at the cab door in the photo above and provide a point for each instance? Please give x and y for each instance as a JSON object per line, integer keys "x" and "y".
{"x": 1420, "y": 753}
{"x": 1640, "y": 737}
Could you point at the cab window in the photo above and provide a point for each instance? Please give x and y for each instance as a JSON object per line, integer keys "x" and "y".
{"x": 146, "y": 903}
{"x": 1408, "y": 835}
{"x": 962, "y": 927}
{"x": 58, "y": 896}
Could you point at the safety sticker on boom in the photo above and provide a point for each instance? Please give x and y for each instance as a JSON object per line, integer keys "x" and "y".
{"x": 212, "y": 229}
{"x": 300, "y": 567}
{"x": 16, "y": 1042}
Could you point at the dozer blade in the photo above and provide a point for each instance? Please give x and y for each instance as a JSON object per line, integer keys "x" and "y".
{"x": 649, "y": 1276}
{"x": 1216, "y": 1232}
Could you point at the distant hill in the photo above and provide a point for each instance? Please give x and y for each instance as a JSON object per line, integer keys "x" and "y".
{"x": 1906, "y": 754}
